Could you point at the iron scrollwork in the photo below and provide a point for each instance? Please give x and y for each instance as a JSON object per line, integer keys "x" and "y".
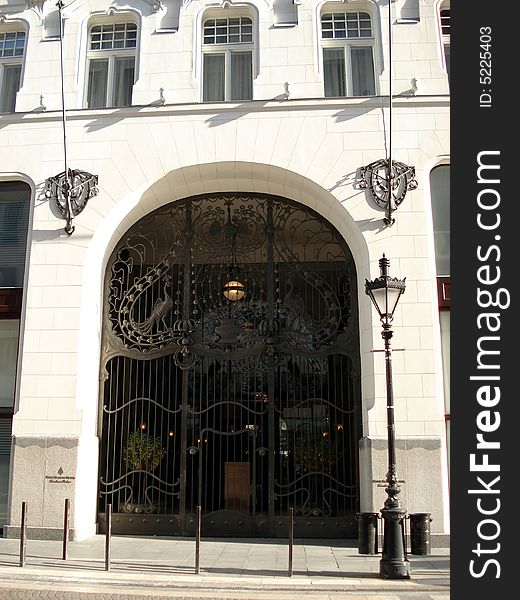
{"x": 71, "y": 190}
{"x": 238, "y": 378}
{"x": 387, "y": 184}
{"x": 178, "y": 300}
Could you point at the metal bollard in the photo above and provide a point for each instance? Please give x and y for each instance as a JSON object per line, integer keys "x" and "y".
{"x": 108, "y": 534}
{"x": 23, "y": 535}
{"x": 367, "y": 533}
{"x": 66, "y": 529}
{"x": 290, "y": 520}
{"x": 420, "y": 533}
{"x": 198, "y": 517}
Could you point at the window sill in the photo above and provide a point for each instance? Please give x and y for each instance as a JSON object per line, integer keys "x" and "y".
{"x": 246, "y": 106}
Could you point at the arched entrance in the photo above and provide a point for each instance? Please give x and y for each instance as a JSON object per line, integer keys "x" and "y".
{"x": 230, "y": 369}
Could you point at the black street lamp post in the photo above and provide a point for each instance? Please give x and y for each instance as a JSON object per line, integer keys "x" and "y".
{"x": 385, "y": 292}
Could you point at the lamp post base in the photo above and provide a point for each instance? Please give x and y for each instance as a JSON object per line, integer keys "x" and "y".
{"x": 394, "y": 569}
{"x": 393, "y": 564}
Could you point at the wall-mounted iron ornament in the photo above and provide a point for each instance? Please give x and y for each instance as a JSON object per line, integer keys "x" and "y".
{"x": 73, "y": 188}
{"x": 386, "y": 179}
{"x": 70, "y": 192}
{"x": 387, "y": 184}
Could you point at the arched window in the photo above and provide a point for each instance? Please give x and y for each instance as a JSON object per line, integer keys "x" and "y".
{"x": 440, "y": 199}
{"x": 12, "y": 49}
{"x": 15, "y": 202}
{"x": 348, "y": 53}
{"x": 444, "y": 16}
{"x": 111, "y": 64}
{"x": 227, "y": 66}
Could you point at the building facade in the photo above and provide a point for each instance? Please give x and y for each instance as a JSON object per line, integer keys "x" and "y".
{"x": 201, "y": 334}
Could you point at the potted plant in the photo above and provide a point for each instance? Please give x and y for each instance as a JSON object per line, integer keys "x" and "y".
{"x": 143, "y": 452}
{"x": 313, "y": 455}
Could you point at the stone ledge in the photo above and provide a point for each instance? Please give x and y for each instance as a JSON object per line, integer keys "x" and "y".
{"x": 38, "y": 533}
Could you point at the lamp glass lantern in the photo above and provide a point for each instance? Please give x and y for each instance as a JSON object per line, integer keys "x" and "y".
{"x": 385, "y": 292}
{"x": 234, "y": 291}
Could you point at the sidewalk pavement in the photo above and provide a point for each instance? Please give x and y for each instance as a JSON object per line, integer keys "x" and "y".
{"x": 229, "y": 568}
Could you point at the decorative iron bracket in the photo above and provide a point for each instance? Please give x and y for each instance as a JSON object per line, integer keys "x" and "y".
{"x": 70, "y": 192}
{"x": 387, "y": 184}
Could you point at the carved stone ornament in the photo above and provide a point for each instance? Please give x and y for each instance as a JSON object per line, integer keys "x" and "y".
{"x": 37, "y": 7}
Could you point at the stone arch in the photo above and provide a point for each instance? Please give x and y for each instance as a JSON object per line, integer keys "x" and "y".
{"x": 291, "y": 338}
{"x": 182, "y": 183}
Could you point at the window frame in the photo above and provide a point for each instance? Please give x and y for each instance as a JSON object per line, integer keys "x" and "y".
{"x": 10, "y": 61}
{"x": 443, "y": 285}
{"x": 445, "y": 38}
{"x": 347, "y": 43}
{"x": 227, "y": 49}
{"x": 110, "y": 55}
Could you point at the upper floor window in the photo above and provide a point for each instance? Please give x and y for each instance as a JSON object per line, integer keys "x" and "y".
{"x": 348, "y": 54}
{"x": 445, "y": 21}
{"x": 444, "y": 15}
{"x": 111, "y": 64}
{"x": 12, "y": 48}
{"x": 227, "y": 66}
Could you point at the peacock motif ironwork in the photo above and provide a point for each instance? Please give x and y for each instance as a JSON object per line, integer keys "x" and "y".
{"x": 253, "y": 380}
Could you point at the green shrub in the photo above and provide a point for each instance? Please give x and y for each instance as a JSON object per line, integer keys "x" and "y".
{"x": 143, "y": 452}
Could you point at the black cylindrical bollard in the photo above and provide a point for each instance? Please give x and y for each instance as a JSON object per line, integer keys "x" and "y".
{"x": 23, "y": 535}
{"x": 66, "y": 529}
{"x": 198, "y": 517}
{"x": 420, "y": 533}
{"x": 108, "y": 534}
{"x": 367, "y": 533}
{"x": 290, "y": 520}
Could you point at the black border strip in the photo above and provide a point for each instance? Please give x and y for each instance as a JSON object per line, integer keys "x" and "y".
{"x": 483, "y": 132}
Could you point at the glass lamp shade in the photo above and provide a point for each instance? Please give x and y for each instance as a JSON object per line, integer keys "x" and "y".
{"x": 385, "y": 291}
{"x": 234, "y": 291}
{"x": 385, "y": 299}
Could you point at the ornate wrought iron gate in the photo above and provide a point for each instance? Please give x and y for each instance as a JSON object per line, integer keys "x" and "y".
{"x": 230, "y": 371}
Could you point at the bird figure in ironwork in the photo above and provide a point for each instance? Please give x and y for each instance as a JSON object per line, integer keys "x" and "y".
{"x": 294, "y": 302}
{"x": 159, "y": 312}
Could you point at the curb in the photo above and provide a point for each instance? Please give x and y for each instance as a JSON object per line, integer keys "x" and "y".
{"x": 187, "y": 583}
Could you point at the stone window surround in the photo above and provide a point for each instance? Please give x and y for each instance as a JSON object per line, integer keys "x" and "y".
{"x": 13, "y": 26}
{"x": 444, "y": 38}
{"x": 228, "y": 48}
{"x": 102, "y": 18}
{"x": 348, "y": 42}
{"x": 367, "y": 6}
{"x": 215, "y": 11}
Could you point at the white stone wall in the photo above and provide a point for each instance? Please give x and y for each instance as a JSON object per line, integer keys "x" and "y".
{"x": 309, "y": 150}
{"x": 170, "y": 58}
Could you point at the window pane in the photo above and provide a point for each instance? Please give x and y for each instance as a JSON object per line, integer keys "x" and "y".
{"x": 235, "y": 30}
{"x": 8, "y": 353}
{"x": 97, "y": 84}
{"x": 241, "y": 76}
{"x": 440, "y": 196}
{"x": 334, "y": 72}
{"x": 445, "y": 323}
{"x": 10, "y": 85}
{"x": 14, "y": 222}
{"x": 123, "y": 81}
{"x": 445, "y": 21}
{"x": 125, "y": 33}
{"x": 213, "y": 78}
{"x": 363, "y": 83}
{"x": 343, "y": 25}
{"x": 447, "y": 59}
